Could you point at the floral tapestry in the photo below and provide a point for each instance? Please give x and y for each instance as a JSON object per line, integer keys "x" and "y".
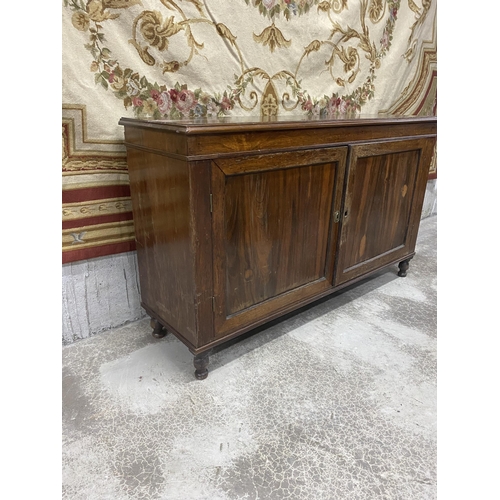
{"x": 173, "y": 59}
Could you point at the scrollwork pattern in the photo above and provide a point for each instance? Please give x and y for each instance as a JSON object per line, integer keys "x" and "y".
{"x": 349, "y": 49}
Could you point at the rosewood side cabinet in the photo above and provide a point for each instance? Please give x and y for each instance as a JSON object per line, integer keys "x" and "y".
{"x": 239, "y": 221}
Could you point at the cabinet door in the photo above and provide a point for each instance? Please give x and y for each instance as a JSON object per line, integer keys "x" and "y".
{"x": 383, "y": 202}
{"x": 274, "y": 232}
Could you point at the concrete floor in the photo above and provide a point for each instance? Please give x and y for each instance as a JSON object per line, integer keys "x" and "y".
{"x": 337, "y": 401}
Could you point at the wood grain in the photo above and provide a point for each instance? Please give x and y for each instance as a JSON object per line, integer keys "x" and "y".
{"x": 160, "y": 197}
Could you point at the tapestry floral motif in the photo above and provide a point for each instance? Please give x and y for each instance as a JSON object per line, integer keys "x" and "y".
{"x": 152, "y": 31}
{"x": 273, "y": 37}
{"x": 288, "y": 8}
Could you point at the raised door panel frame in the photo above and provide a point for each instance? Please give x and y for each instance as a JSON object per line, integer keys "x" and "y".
{"x": 424, "y": 146}
{"x": 222, "y": 170}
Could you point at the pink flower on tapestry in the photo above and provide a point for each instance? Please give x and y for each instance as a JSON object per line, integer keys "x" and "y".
{"x": 164, "y": 103}
{"x": 226, "y": 104}
{"x": 185, "y": 101}
{"x": 174, "y": 94}
{"x": 333, "y": 105}
{"x": 137, "y": 102}
{"x": 307, "y": 105}
{"x": 155, "y": 94}
{"x": 342, "y": 107}
{"x": 384, "y": 41}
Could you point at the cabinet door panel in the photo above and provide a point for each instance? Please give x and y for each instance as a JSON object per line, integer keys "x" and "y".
{"x": 274, "y": 233}
{"x": 383, "y": 202}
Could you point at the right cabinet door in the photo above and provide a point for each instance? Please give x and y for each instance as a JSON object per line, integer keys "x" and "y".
{"x": 385, "y": 190}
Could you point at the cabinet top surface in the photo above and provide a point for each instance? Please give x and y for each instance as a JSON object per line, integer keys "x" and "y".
{"x": 208, "y": 125}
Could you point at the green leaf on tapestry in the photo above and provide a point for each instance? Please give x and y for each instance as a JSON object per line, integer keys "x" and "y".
{"x": 175, "y": 114}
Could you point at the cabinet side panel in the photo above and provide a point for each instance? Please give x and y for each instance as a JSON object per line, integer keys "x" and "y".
{"x": 161, "y": 206}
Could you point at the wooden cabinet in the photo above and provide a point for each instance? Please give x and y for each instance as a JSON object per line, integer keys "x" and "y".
{"x": 240, "y": 221}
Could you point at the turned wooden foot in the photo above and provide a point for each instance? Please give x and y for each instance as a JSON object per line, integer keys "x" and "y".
{"x": 200, "y": 362}
{"x": 159, "y": 331}
{"x": 403, "y": 267}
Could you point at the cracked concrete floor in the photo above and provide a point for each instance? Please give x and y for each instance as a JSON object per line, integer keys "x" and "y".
{"x": 337, "y": 401}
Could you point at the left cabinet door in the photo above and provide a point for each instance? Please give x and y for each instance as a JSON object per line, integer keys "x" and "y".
{"x": 274, "y": 233}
